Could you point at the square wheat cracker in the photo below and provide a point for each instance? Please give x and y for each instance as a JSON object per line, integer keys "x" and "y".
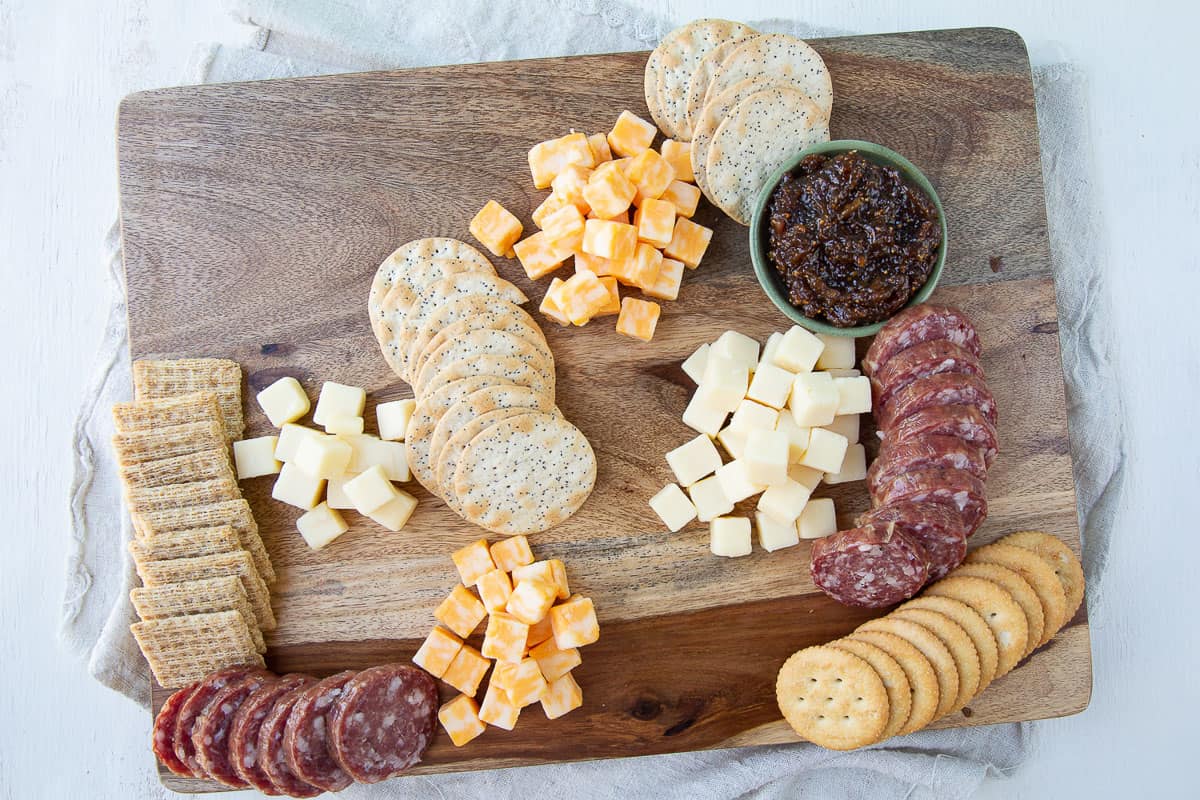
{"x": 205, "y": 596}
{"x": 181, "y": 650}
{"x": 235, "y": 513}
{"x": 159, "y": 379}
{"x": 239, "y": 563}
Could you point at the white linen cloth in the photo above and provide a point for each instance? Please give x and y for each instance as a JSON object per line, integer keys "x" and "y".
{"x": 306, "y": 37}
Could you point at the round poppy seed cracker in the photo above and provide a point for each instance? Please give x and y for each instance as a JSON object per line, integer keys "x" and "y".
{"x": 1037, "y": 573}
{"x": 931, "y": 647}
{"x": 710, "y": 117}
{"x": 697, "y": 87}
{"x": 895, "y": 682}
{"x": 832, "y": 697}
{"x": 679, "y": 53}
{"x": 999, "y": 610}
{"x": 500, "y": 320}
{"x": 962, "y": 649}
{"x": 477, "y": 343}
{"x": 650, "y": 84}
{"x": 922, "y": 679}
{"x": 973, "y": 623}
{"x": 525, "y": 474}
{"x": 1065, "y": 563}
{"x": 425, "y": 418}
{"x": 507, "y": 368}
{"x": 447, "y": 460}
{"x": 458, "y": 309}
{"x": 777, "y": 55}
{"x": 1020, "y": 590}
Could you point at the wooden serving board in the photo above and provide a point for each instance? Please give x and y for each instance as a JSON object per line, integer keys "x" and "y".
{"x": 254, "y": 216}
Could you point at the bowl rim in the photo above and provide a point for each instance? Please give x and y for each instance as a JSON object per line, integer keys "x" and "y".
{"x": 763, "y": 271}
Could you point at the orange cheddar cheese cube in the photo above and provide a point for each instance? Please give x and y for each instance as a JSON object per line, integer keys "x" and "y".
{"x": 505, "y": 637}
{"x": 530, "y": 601}
{"x": 561, "y": 696}
{"x": 574, "y": 623}
{"x": 558, "y": 578}
{"x": 613, "y": 306}
{"x": 582, "y": 296}
{"x": 622, "y": 217}
{"x": 569, "y": 184}
{"x": 513, "y": 552}
{"x": 608, "y": 192}
{"x": 473, "y": 561}
{"x": 496, "y": 228}
{"x": 622, "y": 164}
{"x": 684, "y": 196}
{"x": 437, "y": 651}
{"x": 549, "y": 158}
{"x": 689, "y": 242}
{"x": 498, "y": 708}
{"x": 638, "y": 318}
{"x": 494, "y": 590}
{"x": 631, "y": 135}
{"x": 523, "y": 681}
{"x": 651, "y": 174}
{"x": 467, "y": 670}
{"x": 666, "y": 285}
{"x": 600, "y": 149}
{"x": 460, "y": 719}
{"x": 679, "y": 156}
{"x": 655, "y": 221}
{"x": 539, "y": 632}
{"x": 461, "y": 612}
{"x": 548, "y": 206}
{"x": 565, "y": 223}
{"x": 551, "y": 304}
{"x": 607, "y": 239}
{"x": 540, "y": 255}
{"x": 641, "y": 270}
{"x": 596, "y": 265}
{"x": 553, "y": 661}
{"x": 538, "y": 570}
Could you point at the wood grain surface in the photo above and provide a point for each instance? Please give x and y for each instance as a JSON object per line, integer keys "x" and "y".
{"x": 254, "y": 216}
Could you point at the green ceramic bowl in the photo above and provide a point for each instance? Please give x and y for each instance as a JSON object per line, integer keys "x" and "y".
{"x": 770, "y": 280}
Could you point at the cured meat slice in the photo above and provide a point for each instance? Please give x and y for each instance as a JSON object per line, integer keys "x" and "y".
{"x": 210, "y": 735}
{"x": 872, "y": 566}
{"x": 918, "y": 324}
{"x": 937, "y": 528}
{"x": 305, "y": 741}
{"x": 383, "y": 721}
{"x": 955, "y": 488}
{"x": 243, "y": 733}
{"x": 271, "y": 756}
{"x": 938, "y": 390}
{"x": 194, "y": 706}
{"x": 925, "y": 452}
{"x": 965, "y": 422}
{"x": 162, "y": 738}
{"x": 935, "y": 357}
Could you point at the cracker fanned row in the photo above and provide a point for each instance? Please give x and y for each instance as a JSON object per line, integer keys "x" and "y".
{"x": 205, "y": 602}
{"x": 485, "y": 435}
{"x": 935, "y": 653}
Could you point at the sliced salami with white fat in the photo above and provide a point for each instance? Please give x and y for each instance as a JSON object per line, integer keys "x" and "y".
{"x": 210, "y": 736}
{"x": 937, "y": 528}
{"x": 916, "y": 325}
{"x": 305, "y": 740}
{"x": 926, "y": 452}
{"x": 965, "y": 422}
{"x": 872, "y": 566}
{"x": 162, "y": 739}
{"x": 194, "y": 706}
{"x": 936, "y": 357}
{"x": 383, "y": 722}
{"x": 271, "y": 756}
{"x": 955, "y": 488}
{"x": 243, "y": 733}
{"x": 938, "y": 390}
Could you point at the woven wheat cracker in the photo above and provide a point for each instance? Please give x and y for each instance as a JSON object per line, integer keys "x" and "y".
{"x": 179, "y": 410}
{"x": 182, "y": 650}
{"x": 181, "y": 495}
{"x": 238, "y": 563}
{"x": 152, "y": 444}
{"x": 205, "y": 596}
{"x": 234, "y": 513}
{"x": 188, "y": 468}
{"x": 185, "y": 544}
{"x": 153, "y": 380}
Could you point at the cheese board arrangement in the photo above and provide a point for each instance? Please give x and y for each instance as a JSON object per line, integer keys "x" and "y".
{"x": 601, "y": 406}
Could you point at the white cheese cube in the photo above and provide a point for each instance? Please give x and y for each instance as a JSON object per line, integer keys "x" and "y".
{"x": 797, "y": 437}
{"x": 348, "y": 426}
{"x": 798, "y": 350}
{"x": 370, "y": 451}
{"x": 254, "y": 457}
{"x": 775, "y": 535}
{"x": 854, "y": 395}
{"x": 805, "y": 476}
{"x": 750, "y": 415}
{"x": 694, "y": 364}
{"x": 843, "y": 373}
{"x": 769, "y": 350}
{"x": 771, "y": 385}
{"x": 766, "y": 457}
{"x": 323, "y": 457}
{"x": 297, "y": 488}
{"x": 786, "y": 501}
{"x": 854, "y": 466}
{"x": 735, "y": 481}
{"x": 692, "y": 461}
{"x": 673, "y": 507}
{"x": 395, "y": 513}
{"x": 321, "y": 526}
{"x": 710, "y": 499}
{"x": 393, "y": 418}
{"x": 826, "y": 450}
{"x": 335, "y": 492}
{"x": 704, "y": 413}
{"x": 818, "y": 519}
{"x": 738, "y": 347}
{"x": 730, "y": 537}
{"x": 838, "y": 352}
{"x": 370, "y": 490}
{"x": 725, "y": 381}
{"x": 814, "y": 399}
{"x": 733, "y": 440}
{"x": 284, "y": 401}
{"x": 290, "y": 437}
{"x": 845, "y": 424}
{"x": 339, "y": 400}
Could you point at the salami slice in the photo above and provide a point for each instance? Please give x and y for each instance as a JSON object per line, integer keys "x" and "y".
{"x": 935, "y": 357}
{"x": 271, "y": 755}
{"x": 937, "y": 528}
{"x": 243, "y": 733}
{"x": 916, "y": 325}
{"x": 873, "y": 566}
{"x": 210, "y": 735}
{"x": 955, "y": 488}
{"x": 194, "y": 706}
{"x": 383, "y": 721}
{"x": 305, "y": 741}
{"x": 926, "y": 452}
{"x": 938, "y": 390}
{"x": 162, "y": 738}
{"x": 965, "y": 422}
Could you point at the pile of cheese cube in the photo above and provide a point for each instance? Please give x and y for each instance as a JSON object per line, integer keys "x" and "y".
{"x": 586, "y": 218}
{"x": 535, "y": 627}
{"x": 348, "y": 468}
{"x": 795, "y": 424}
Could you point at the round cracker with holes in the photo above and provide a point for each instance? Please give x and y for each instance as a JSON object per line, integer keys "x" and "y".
{"x": 1066, "y": 565}
{"x": 424, "y": 420}
{"x": 895, "y": 682}
{"x": 973, "y": 623}
{"x": 512, "y": 320}
{"x": 478, "y": 343}
{"x": 832, "y": 697}
{"x": 922, "y": 679}
{"x": 451, "y": 453}
{"x": 1037, "y": 573}
{"x": 999, "y": 610}
{"x": 962, "y": 649}
{"x": 1020, "y": 590}
{"x": 944, "y": 665}
{"x": 679, "y": 53}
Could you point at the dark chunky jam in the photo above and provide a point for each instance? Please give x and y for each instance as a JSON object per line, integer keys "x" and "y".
{"x": 852, "y": 241}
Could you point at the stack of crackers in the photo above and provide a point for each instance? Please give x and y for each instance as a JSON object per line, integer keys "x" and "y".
{"x": 204, "y": 603}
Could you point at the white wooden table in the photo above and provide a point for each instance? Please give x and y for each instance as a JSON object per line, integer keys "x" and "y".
{"x": 64, "y": 66}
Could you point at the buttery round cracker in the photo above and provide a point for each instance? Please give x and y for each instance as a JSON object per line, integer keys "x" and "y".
{"x": 525, "y": 474}
{"x": 507, "y": 368}
{"x": 500, "y": 319}
{"x": 776, "y": 55}
{"x": 679, "y": 53}
{"x": 451, "y": 453}
{"x": 481, "y": 342}
{"x": 922, "y": 679}
{"x": 1020, "y": 590}
{"x": 395, "y": 268}
{"x": 962, "y": 649}
{"x": 833, "y": 698}
{"x": 999, "y": 610}
{"x": 973, "y": 623}
{"x": 1066, "y": 565}
{"x": 759, "y": 134}
{"x": 944, "y": 665}
{"x": 457, "y": 309}
{"x": 424, "y": 420}
{"x": 1037, "y": 573}
{"x": 895, "y": 682}
{"x": 697, "y": 86}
